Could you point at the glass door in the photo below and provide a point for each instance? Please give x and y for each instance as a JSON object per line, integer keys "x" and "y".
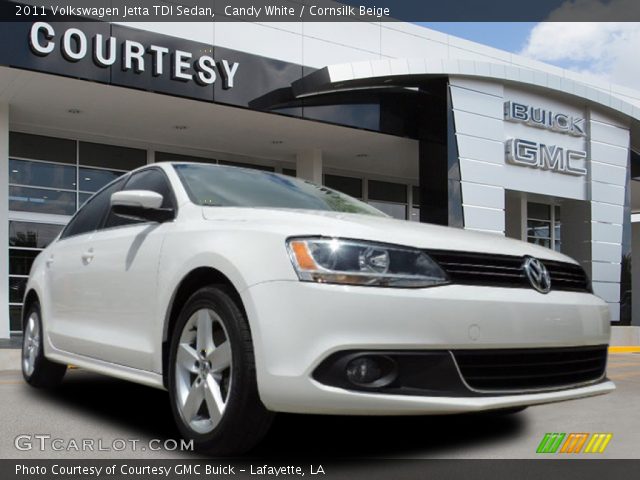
{"x": 543, "y": 225}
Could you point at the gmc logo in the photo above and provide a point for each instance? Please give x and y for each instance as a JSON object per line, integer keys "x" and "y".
{"x": 546, "y": 157}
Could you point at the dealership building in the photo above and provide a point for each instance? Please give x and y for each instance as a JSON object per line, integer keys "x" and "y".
{"x": 422, "y": 125}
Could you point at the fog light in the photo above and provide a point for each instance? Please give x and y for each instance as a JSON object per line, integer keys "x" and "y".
{"x": 363, "y": 371}
{"x": 372, "y": 371}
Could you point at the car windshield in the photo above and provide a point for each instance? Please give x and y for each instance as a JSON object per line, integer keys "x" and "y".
{"x": 221, "y": 186}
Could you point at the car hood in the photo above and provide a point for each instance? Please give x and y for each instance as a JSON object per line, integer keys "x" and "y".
{"x": 292, "y": 222}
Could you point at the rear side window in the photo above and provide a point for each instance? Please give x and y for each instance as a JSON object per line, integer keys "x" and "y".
{"x": 89, "y": 217}
{"x": 152, "y": 179}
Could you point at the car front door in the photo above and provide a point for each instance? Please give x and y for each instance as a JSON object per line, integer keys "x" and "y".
{"x": 71, "y": 325}
{"x": 120, "y": 280}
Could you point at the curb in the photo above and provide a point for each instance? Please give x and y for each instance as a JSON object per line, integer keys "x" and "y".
{"x": 618, "y": 349}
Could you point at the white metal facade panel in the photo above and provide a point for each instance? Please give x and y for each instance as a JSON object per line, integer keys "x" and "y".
{"x": 485, "y": 172}
{"x": 482, "y": 195}
{"x": 481, "y": 149}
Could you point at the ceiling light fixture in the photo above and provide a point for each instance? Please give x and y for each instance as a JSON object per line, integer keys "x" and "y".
{"x": 277, "y": 142}
{"x": 180, "y": 127}
{"x": 362, "y": 155}
{"x": 74, "y": 111}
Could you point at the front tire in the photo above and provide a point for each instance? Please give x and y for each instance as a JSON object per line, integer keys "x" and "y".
{"x": 36, "y": 369}
{"x": 212, "y": 378}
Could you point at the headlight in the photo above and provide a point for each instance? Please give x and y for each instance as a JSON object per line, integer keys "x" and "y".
{"x": 354, "y": 262}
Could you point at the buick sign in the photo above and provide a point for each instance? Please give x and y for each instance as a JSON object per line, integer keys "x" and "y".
{"x": 131, "y": 56}
{"x": 543, "y": 118}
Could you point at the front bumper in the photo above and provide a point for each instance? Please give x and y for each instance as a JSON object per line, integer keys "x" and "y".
{"x": 297, "y": 325}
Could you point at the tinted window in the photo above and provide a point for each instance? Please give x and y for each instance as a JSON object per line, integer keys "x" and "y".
{"x": 93, "y": 179}
{"x": 32, "y": 235}
{"x": 349, "y": 185}
{"x": 210, "y": 185}
{"x": 151, "y": 179}
{"x": 387, "y": 191}
{"x": 111, "y": 156}
{"x": 247, "y": 165}
{"x": 416, "y": 195}
{"x": 40, "y": 174}
{"x": 20, "y": 261}
{"x": 42, "y": 148}
{"x": 26, "y": 199}
{"x": 16, "y": 289}
{"x": 91, "y": 214}
{"x": 174, "y": 157}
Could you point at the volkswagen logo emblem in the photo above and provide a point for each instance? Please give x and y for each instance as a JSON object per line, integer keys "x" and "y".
{"x": 537, "y": 274}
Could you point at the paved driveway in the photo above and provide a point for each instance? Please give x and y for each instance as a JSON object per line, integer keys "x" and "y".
{"x": 100, "y": 409}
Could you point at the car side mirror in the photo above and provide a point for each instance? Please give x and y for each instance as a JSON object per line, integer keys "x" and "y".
{"x": 142, "y": 205}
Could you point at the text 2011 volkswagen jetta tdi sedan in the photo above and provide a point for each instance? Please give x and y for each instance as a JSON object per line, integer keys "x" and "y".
{"x": 245, "y": 293}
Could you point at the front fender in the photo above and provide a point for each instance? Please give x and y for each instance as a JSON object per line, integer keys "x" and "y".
{"x": 245, "y": 258}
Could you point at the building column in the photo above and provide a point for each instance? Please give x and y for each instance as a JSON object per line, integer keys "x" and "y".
{"x": 609, "y": 151}
{"x": 476, "y": 169}
{"x": 4, "y": 223}
{"x": 309, "y": 165}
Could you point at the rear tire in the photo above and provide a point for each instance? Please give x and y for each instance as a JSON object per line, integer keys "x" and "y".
{"x": 36, "y": 369}
{"x": 212, "y": 376}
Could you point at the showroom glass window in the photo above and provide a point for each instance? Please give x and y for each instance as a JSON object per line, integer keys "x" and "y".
{"x": 349, "y": 185}
{"x": 390, "y": 198}
{"x": 48, "y": 179}
{"x": 174, "y": 157}
{"x": 26, "y": 241}
{"x": 544, "y": 225}
{"x": 414, "y": 214}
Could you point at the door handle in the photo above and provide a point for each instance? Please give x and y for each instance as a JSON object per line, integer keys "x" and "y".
{"x": 49, "y": 261}
{"x": 87, "y": 256}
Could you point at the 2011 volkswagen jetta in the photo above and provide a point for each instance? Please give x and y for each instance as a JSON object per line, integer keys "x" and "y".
{"x": 245, "y": 293}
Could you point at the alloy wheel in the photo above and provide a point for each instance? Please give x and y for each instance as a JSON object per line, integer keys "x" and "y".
{"x": 203, "y": 369}
{"x": 31, "y": 344}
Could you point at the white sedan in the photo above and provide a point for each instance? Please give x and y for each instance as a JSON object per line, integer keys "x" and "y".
{"x": 245, "y": 293}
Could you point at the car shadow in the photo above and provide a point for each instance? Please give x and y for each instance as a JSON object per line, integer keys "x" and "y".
{"x": 146, "y": 410}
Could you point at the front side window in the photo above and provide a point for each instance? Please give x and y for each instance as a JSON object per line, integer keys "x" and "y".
{"x": 219, "y": 186}
{"x": 90, "y": 216}
{"x": 152, "y": 179}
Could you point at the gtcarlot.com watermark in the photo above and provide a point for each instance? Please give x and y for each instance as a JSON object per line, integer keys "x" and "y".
{"x": 46, "y": 443}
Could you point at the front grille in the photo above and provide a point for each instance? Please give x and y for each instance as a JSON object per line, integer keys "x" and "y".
{"x": 531, "y": 369}
{"x": 470, "y": 268}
